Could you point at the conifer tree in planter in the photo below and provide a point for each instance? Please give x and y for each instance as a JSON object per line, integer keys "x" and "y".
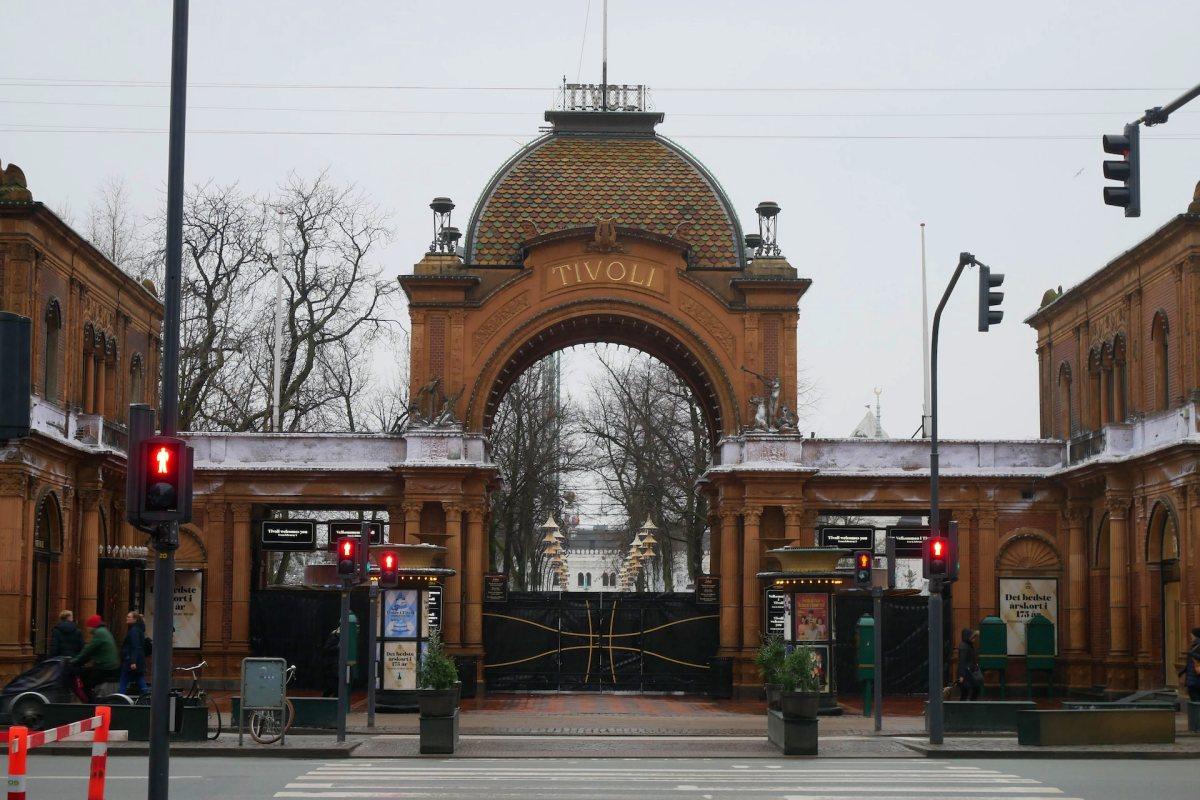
{"x": 800, "y": 678}
{"x": 769, "y": 660}
{"x": 437, "y": 680}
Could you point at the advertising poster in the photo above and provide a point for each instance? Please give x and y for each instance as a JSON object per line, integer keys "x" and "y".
{"x": 822, "y": 654}
{"x": 779, "y": 613}
{"x": 400, "y": 609}
{"x": 1020, "y": 599}
{"x": 812, "y": 617}
{"x": 188, "y": 606}
{"x": 398, "y": 665}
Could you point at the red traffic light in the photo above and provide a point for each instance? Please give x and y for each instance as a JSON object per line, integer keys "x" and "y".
{"x": 162, "y": 461}
{"x": 938, "y": 548}
{"x": 347, "y": 548}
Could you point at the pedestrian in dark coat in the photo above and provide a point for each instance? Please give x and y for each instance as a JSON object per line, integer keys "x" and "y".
{"x": 65, "y": 639}
{"x": 133, "y": 654}
{"x": 1191, "y": 668}
{"x": 970, "y": 678}
{"x": 329, "y": 664}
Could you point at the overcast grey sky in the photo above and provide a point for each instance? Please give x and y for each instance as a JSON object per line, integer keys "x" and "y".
{"x": 875, "y": 90}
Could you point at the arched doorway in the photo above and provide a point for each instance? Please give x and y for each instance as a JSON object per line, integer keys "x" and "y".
{"x": 47, "y": 549}
{"x": 1162, "y": 549}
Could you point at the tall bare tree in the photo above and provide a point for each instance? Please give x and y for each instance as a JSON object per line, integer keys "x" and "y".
{"x": 114, "y": 228}
{"x": 536, "y": 446}
{"x": 650, "y": 445}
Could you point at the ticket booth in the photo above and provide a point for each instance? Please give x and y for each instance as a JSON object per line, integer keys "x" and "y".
{"x": 799, "y": 606}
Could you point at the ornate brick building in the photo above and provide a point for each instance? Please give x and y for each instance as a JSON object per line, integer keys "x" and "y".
{"x": 63, "y": 540}
{"x": 603, "y": 230}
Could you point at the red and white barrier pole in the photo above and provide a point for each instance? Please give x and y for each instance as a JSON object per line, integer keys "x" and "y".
{"x": 21, "y": 741}
{"x": 99, "y": 755}
{"x": 18, "y": 744}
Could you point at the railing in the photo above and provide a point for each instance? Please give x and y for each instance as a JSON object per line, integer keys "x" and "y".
{"x": 594, "y": 97}
{"x": 1085, "y": 446}
{"x": 95, "y": 430}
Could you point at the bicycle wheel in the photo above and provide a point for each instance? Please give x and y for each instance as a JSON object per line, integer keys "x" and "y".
{"x": 213, "y": 711}
{"x": 266, "y": 727}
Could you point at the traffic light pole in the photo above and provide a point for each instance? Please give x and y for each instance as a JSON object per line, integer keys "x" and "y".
{"x": 877, "y": 646}
{"x": 343, "y": 696}
{"x": 935, "y": 718}
{"x": 372, "y": 599}
{"x": 167, "y": 535}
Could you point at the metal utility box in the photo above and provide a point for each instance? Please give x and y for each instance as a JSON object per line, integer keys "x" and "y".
{"x": 1039, "y": 643}
{"x": 864, "y": 632}
{"x": 993, "y": 643}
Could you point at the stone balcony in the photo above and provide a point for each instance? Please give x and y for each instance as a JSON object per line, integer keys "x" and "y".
{"x": 1140, "y": 437}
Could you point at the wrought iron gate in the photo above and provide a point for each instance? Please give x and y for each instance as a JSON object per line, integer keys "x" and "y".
{"x": 599, "y": 641}
{"x": 905, "y": 642}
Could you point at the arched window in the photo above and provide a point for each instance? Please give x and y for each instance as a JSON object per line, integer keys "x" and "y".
{"x": 137, "y": 379}
{"x": 1159, "y": 329}
{"x": 51, "y": 357}
{"x": 88, "y": 380}
{"x": 1065, "y": 423}
{"x": 1095, "y": 420}
{"x": 1120, "y": 404}
{"x": 47, "y": 545}
{"x": 579, "y": 579}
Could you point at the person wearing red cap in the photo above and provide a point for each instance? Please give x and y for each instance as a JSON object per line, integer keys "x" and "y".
{"x": 99, "y": 660}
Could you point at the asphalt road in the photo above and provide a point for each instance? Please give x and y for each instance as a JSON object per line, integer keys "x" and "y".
{"x": 643, "y": 779}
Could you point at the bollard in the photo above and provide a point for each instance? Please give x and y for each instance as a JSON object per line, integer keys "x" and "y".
{"x": 99, "y": 755}
{"x": 18, "y": 739}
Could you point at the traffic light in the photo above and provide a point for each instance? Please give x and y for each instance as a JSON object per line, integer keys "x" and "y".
{"x": 165, "y": 483}
{"x": 988, "y": 281}
{"x": 389, "y": 563}
{"x": 862, "y": 569}
{"x": 936, "y": 557}
{"x": 347, "y": 557}
{"x": 1127, "y": 171}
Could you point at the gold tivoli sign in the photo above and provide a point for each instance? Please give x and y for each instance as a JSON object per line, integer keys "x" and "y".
{"x": 566, "y": 275}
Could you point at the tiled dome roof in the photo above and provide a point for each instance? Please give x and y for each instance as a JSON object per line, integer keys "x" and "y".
{"x": 563, "y": 181}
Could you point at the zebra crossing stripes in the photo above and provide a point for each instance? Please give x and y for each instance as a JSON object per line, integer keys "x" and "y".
{"x": 905, "y": 779}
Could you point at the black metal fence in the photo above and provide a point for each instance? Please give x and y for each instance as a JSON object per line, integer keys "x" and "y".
{"x": 599, "y": 641}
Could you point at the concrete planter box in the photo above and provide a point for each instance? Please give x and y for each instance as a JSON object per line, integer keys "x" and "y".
{"x": 799, "y": 705}
{"x": 134, "y": 719}
{"x": 439, "y": 735}
{"x": 1096, "y": 726}
{"x": 438, "y": 702}
{"x": 794, "y": 737}
{"x": 983, "y": 716}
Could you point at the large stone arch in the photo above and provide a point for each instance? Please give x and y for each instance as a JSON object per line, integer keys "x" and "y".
{"x": 612, "y": 320}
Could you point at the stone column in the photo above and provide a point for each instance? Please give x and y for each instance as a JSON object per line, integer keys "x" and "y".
{"x": 808, "y": 528}
{"x": 101, "y": 368}
{"x": 239, "y": 640}
{"x": 89, "y": 552}
{"x": 1189, "y": 541}
{"x": 793, "y": 519}
{"x": 731, "y": 587}
{"x": 14, "y": 630}
{"x": 211, "y": 517}
{"x": 452, "y": 599}
{"x": 1077, "y": 576}
{"x": 714, "y": 543}
{"x": 473, "y": 575}
{"x": 751, "y": 623}
{"x": 412, "y": 523}
{"x": 1118, "y": 581}
{"x": 985, "y": 520}
{"x": 89, "y": 366}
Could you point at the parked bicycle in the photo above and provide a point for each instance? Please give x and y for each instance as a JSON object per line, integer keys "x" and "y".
{"x": 196, "y": 695}
{"x": 269, "y": 726}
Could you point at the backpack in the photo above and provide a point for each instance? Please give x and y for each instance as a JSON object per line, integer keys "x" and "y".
{"x": 147, "y": 646}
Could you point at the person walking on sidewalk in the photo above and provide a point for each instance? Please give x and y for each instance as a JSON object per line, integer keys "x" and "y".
{"x": 133, "y": 654}
{"x": 66, "y": 639}
{"x": 1191, "y": 668}
{"x": 970, "y": 677}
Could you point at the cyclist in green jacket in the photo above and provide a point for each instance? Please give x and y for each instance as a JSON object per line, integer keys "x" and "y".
{"x": 99, "y": 660}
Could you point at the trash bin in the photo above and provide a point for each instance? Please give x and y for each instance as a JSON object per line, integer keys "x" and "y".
{"x": 467, "y": 667}
{"x": 720, "y": 672}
